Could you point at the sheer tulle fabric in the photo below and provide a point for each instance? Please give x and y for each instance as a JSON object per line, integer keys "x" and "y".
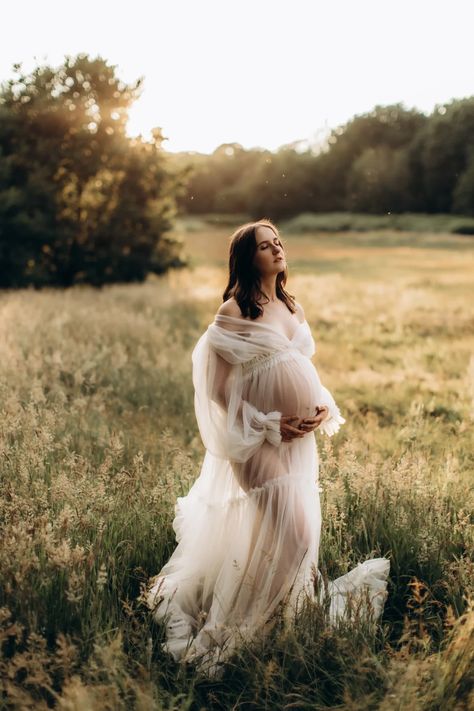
{"x": 248, "y": 531}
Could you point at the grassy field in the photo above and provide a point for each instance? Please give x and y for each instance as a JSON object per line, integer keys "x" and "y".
{"x": 98, "y": 437}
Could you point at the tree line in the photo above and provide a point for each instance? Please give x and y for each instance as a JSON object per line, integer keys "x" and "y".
{"x": 82, "y": 202}
{"x": 389, "y": 160}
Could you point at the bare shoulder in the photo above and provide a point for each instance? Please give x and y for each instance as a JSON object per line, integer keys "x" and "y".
{"x": 230, "y": 308}
{"x": 300, "y": 311}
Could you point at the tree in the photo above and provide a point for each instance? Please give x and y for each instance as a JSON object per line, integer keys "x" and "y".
{"x": 463, "y": 194}
{"x": 79, "y": 200}
{"x": 442, "y": 151}
{"x": 378, "y": 181}
{"x": 391, "y": 127}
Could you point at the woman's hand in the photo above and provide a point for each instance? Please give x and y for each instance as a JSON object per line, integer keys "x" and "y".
{"x": 289, "y": 427}
{"x": 308, "y": 424}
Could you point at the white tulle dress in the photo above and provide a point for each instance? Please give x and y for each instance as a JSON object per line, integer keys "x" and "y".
{"x": 248, "y": 531}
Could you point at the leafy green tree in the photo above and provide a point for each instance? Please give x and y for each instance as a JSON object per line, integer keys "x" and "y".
{"x": 391, "y": 127}
{"x": 378, "y": 181}
{"x": 79, "y": 200}
{"x": 463, "y": 194}
{"x": 442, "y": 152}
{"x": 283, "y": 184}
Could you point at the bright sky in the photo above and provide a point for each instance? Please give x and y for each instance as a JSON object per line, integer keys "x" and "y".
{"x": 257, "y": 72}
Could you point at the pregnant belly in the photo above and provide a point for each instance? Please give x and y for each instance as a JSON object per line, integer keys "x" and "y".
{"x": 290, "y": 385}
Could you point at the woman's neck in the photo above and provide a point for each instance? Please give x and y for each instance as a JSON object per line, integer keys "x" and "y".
{"x": 269, "y": 288}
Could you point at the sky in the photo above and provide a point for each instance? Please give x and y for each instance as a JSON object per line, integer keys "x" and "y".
{"x": 262, "y": 73}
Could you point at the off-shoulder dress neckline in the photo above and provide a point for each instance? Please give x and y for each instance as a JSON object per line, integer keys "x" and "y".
{"x": 235, "y": 319}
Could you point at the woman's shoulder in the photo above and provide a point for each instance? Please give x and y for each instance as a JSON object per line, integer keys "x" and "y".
{"x": 230, "y": 308}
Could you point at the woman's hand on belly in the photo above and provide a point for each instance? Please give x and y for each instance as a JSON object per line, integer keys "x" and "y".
{"x": 308, "y": 424}
{"x": 289, "y": 427}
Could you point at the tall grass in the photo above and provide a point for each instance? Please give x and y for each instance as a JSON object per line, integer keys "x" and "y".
{"x": 98, "y": 438}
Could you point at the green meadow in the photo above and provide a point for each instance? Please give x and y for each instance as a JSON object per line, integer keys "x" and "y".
{"x": 98, "y": 437}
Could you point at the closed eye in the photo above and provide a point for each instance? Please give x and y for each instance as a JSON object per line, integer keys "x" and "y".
{"x": 277, "y": 242}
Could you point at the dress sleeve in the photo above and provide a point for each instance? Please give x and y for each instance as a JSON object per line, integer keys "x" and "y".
{"x": 334, "y": 420}
{"x": 230, "y": 426}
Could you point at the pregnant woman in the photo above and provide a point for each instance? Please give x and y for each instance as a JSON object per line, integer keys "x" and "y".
{"x": 248, "y": 530}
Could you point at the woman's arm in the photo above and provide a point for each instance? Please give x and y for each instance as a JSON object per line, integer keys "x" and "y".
{"x": 334, "y": 419}
{"x": 254, "y": 425}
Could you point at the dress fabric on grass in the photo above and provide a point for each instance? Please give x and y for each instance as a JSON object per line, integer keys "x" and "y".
{"x": 248, "y": 530}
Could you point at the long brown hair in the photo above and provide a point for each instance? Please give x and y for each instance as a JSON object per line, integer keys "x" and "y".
{"x": 244, "y": 279}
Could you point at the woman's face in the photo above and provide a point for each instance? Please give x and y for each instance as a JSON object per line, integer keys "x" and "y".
{"x": 269, "y": 257}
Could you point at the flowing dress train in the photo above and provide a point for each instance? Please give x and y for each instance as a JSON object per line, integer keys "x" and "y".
{"x": 248, "y": 530}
